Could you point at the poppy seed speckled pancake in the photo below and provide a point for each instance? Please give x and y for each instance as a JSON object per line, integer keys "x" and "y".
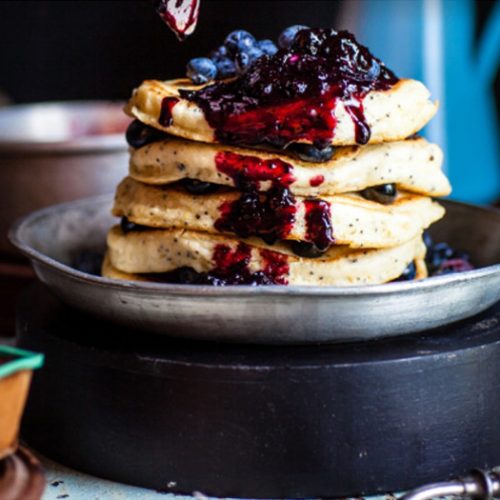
{"x": 162, "y": 251}
{"x": 356, "y": 221}
{"x": 414, "y": 165}
{"x": 391, "y": 115}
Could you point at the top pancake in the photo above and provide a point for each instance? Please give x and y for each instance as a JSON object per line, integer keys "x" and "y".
{"x": 392, "y": 114}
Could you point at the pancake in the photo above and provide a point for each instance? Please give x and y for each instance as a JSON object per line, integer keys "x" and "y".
{"x": 414, "y": 165}
{"x": 357, "y": 222}
{"x": 392, "y": 114}
{"x": 162, "y": 251}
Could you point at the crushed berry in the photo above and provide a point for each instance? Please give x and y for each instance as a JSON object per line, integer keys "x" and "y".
{"x": 291, "y": 95}
{"x": 269, "y": 215}
{"x": 167, "y": 104}
{"x": 231, "y": 267}
{"x": 317, "y": 180}
{"x": 441, "y": 258}
{"x": 248, "y": 172}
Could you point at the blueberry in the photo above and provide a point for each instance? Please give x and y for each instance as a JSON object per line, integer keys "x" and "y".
{"x": 308, "y": 42}
{"x": 225, "y": 67}
{"x": 242, "y": 61}
{"x": 139, "y": 135}
{"x": 439, "y": 253}
{"x": 201, "y": 70}
{"x": 127, "y": 226}
{"x": 187, "y": 275}
{"x": 373, "y": 71}
{"x": 210, "y": 279}
{"x": 239, "y": 41}
{"x": 288, "y": 34}
{"x": 268, "y": 47}
{"x": 428, "y": 241}
{"x": 309, "y": 152}
{"x": 194, "y": 186}
{"x": 455, "y": 265}
{"x": 441, "y": 258}
{"x": 409, "y": 273}
{"x": 88, "y": 261}
{"x": 245, "y": 59}
{"x": 384, "y": 193}
{"x": 306, "y": 249}
{"x": 219, "y": 53}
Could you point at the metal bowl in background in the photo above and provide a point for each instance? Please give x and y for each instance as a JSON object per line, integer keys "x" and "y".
{"x": 52, "y": 237}
{"x": 56, "y": 152}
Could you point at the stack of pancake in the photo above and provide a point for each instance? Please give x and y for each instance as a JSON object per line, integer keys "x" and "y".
{"x": 198, "y": 210}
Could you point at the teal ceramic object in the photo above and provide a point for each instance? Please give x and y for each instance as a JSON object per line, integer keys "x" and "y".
{"x": 433, "y": 41}
{"x": 13, "y": 360}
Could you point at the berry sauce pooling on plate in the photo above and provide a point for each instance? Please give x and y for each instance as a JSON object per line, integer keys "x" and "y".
{"x": 167, "y": 104}
{"x": 291, "y": 95}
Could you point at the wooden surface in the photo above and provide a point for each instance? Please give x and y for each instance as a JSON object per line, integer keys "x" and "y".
{"x": 21, "y": 477}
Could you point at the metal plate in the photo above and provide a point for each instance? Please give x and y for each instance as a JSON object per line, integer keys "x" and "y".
{"x": 270, "y": 314}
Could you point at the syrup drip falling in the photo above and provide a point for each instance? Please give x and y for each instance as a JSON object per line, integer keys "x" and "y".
{"x": 318, "y": 223}
{"x": 180, "y": 16}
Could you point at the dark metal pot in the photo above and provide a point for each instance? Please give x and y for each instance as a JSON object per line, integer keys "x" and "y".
{"x": 56, "y": 152}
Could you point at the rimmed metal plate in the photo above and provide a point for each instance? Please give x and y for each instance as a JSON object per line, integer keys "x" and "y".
{"x": 270, "y": 314}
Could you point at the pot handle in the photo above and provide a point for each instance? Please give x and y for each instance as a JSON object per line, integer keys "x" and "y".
{"x": 478, "y": 485}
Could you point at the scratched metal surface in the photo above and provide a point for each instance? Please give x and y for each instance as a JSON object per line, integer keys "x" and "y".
{"x": 66, "y": 483}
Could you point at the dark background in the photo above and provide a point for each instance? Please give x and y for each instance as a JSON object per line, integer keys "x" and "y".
{"x": 101, "y": 49}
{"x": 53, "y": 50}
{"x": 87, "y": 49}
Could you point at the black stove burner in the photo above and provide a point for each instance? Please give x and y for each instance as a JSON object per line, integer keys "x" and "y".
{"x": 262, "y": 422}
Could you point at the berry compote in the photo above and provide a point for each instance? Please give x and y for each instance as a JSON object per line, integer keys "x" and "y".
{"x": 269, "y": 214}
{"x": 291, "y": 95}
{"x": 231, "y": 267}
